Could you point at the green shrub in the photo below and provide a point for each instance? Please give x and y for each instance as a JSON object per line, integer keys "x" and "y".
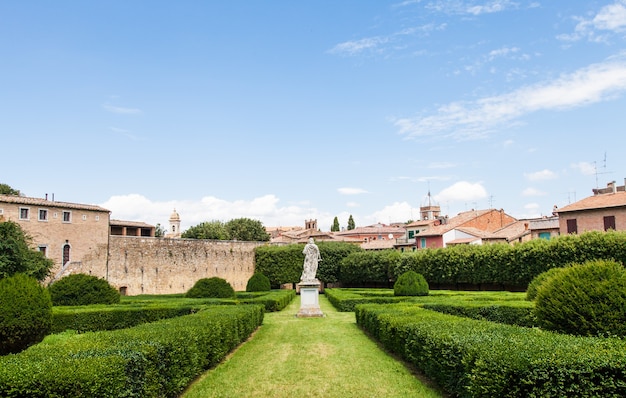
{"x": 533, "y": 286}
{"x": 25, "y": 313}
{"x": 410, "y": 284}
{"x": 586, "y": 299}
{"x": 258, "y": 283}
{"x": 82, "y": 289}
{"x": 211, "y": 287}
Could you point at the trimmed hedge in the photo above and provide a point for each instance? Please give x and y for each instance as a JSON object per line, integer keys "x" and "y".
{"x": 25, "y": 313}
{"x": 586, "y": 299}
{"x": 283, "y": 264}
{"x": 213, "y": 287}
{"x": 507, "y": 314}
{"x": 83, "y": 289}
{"x": 96, "y": 318}
{"x": 345, "y": 300}
{"x": 273, "y": 301}
{"x": 258, "y": 283}
{"x": 152, "y": 360}
{"x": 471, "y": 358}
{"x": 410, "y": 284}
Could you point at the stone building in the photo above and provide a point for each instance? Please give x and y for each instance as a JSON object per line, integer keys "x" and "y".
{"x": 65, "y": 232}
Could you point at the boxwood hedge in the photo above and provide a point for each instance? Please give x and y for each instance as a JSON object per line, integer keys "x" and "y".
{"x": 151, "y": 360}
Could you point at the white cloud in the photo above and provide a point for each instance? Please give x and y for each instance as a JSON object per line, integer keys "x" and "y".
{"x": 461, "y": 191}
{"x": 610, "y": 19}
{"x": 542, "y": 175}
{"x": 135, "y": 207}
{"x": 533, "y": 192}
{"x": 377, "y": 43}
{"x": 477, "y": 119}
{"x": 352, "y": 204}
{"x": 121, "y": 110}
{"x": 351, "y": 191}
{"x": 396, "y": 212}
{"x": 585, "y": 168}
{"x": 462, "y": 7}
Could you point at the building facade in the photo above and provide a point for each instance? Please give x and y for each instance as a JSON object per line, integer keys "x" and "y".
{"x": 65, "y": 232}
{"x": 603, "y": 211}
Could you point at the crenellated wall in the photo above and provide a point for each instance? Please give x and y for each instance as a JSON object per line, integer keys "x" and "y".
{"x": 144, "y": 265}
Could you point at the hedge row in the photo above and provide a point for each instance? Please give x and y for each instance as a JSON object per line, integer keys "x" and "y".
{"x": 493, "y": 266}
{"x": 471, "y": 358}
{"x": 95, "y": 318}
{"x": 283, "y": 264}
{"x": 507, "y": 314}
{"x": 345, "y": 300}
{"x": 151, "y": 360}
{"x": 273, "y": 301}
{"x": 510, "y": 266}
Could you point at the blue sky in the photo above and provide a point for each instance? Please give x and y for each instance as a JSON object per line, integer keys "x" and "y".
{"x": 283, "y": 111}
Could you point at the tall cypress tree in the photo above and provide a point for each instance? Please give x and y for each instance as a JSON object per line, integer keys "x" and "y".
{"x": 335, "y": 226}
{"x": 350, "y": 223}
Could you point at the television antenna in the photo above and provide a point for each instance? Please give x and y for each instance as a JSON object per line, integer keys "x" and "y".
{"x": 596, "y": 172}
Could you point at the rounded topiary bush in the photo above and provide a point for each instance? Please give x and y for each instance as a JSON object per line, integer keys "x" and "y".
{"x": 82, "y": 289}
{"x": 258, "y": 283}
{"x": 212, "y": 288}
{"x": 533, "y": 286}
{"x": 25, "y": 313}
{"x": 410, "y": 283}
{"x": 586, "y": 299}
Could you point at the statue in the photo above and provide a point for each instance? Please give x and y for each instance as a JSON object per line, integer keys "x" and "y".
{"x": 311, "y": 259}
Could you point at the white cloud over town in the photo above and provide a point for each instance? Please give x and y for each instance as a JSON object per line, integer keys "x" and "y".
{"x": 476, "y": 119}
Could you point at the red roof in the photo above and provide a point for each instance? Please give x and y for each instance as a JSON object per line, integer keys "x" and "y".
{"x": 603, "y": 201}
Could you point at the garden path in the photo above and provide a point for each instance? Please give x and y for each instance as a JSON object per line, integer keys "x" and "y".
{"x": 310, "y": 357}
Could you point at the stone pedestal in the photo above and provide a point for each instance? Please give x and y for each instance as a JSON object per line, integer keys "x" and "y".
{"x": 309, "y": 300}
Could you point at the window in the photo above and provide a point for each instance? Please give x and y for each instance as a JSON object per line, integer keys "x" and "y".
{"x": 411, "y": 234}
{"x": 97, "y": 218}
{"x": 544, "y": 235}
{"x": 1, "y": 211}
{"x": 423, "y": 243}
{"x": 609, "y": 223}
{"x": 43, "y": 215}
{"x": 24, "y": 213}
{"x": 44, "y": 250}
{"x": 66, "y": 253}
{"x": 572, "y": 226}
{"x": 84, "y": 217}
{"x": 67, "y": 216}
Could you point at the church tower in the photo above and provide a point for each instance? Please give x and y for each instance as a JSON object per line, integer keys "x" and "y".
{"x": 174, "y": 225}
{"x": 429, "y": 210}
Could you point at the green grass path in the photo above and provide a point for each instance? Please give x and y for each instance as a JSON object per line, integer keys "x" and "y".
{"x": 310, "y": 357}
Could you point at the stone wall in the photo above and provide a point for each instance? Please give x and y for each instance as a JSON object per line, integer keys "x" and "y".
{"x": 143, "y": 265}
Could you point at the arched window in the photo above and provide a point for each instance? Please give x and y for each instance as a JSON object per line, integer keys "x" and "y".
{"x": 66, "y": 253}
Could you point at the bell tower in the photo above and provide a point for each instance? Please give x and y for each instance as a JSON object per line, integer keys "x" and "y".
{"x": 174, "y": 225}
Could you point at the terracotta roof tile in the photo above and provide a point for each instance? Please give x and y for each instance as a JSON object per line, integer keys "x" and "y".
{"x": 617, "y": 199}
{"x": 49, "y": 203}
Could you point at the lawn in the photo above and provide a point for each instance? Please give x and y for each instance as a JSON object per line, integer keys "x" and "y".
{"x": 310, "y": 357}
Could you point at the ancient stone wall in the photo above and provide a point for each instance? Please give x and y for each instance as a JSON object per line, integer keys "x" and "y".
{"x": 144, "y": 265}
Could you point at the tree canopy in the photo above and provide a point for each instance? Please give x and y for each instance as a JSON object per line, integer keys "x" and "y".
{"x": 207, "y": 230}
{"x": 237, "y": 229}
{"x": 335, "y": 226}
{"x": 17, "y": 257}
{"x": 7, "y": 190}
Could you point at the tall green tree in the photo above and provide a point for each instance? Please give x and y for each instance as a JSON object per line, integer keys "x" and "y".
{"x": 207, "y": 230}
{"x": 246, "y": 229}
{"x": 7, "y": 190}
{"x": 16, "y": 256}
{"x": 335, "y": 226}
{"x": 351, "y": 225}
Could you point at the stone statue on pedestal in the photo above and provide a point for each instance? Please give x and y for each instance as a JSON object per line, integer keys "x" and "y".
{"x": 311, "y": 260}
